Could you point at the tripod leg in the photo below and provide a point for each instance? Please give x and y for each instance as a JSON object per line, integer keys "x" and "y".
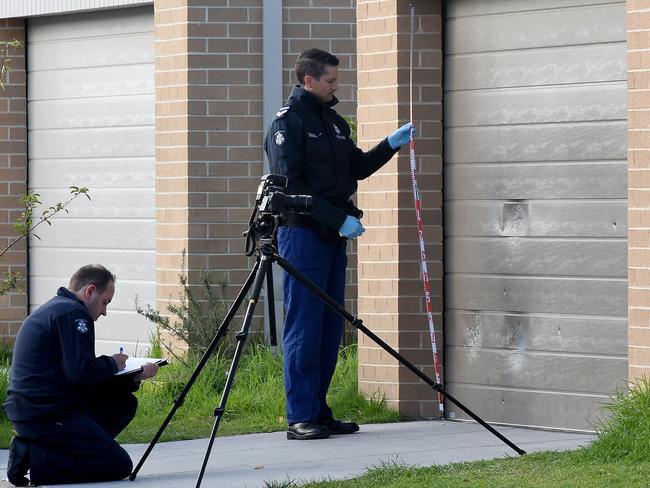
{"x": 270, "y": 297}
{"x": 359, "y": 325}
{"x": 241, "y": 336}
{"x": 221, "y": 333}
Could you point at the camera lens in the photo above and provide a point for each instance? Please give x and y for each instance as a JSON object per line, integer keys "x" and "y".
{"x": 297, "y": 203}
{"x": 279, "y": 202}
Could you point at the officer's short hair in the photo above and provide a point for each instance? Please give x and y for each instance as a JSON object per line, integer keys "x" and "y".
{"x": 313, "y": 62}
{"x": 91, "y": 274}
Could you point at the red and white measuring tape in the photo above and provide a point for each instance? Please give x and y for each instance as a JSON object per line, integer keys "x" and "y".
{"x": 418, "y": 213}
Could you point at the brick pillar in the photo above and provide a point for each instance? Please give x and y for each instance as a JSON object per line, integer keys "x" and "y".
{"x": 390, "y": 288}
{"x": 172, "y": 165}
{"x": 13, "y": 177}
{"x": 208, "y": 138}
{"x": 638, "y": 66}
{"x": 225, "y": 131}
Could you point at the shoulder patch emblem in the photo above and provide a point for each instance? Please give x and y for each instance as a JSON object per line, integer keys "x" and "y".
{"x": 82, "y": 326}
{"x": 279, "y": 137}
{"x": 281, "y": 112}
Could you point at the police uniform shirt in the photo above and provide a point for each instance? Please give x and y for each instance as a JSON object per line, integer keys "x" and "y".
{"x": 54, "y": 364}
{"x": 310, "y": 143}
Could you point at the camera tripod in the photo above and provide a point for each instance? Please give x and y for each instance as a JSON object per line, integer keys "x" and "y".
{"x": 263, "y": 232}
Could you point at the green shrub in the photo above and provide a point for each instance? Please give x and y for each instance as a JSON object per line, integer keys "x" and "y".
{"x": 352, "y": 122}
{"x": 195, "y": 317}
{"x": 625, "y": 435}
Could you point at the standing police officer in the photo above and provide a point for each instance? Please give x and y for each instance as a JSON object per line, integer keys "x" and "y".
{"x": 310, "y": 144}
{"x": 66, "y": 404}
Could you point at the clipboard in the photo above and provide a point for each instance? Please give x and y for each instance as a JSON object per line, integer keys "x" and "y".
{"x": 134, "y": 365}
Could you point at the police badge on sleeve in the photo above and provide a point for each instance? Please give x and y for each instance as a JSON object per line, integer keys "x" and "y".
{"x": 82, "y": 326}
{"x": 339, "y": 134}
{"x": 279, "y": 137}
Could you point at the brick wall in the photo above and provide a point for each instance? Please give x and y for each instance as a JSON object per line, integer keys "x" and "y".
{"x": 209, "y": 124}
{"x": 390, "y": 286}
{"x": 13, "y": 177}
{"x": 324, "y": 24}
{"x": 638, "y": 65}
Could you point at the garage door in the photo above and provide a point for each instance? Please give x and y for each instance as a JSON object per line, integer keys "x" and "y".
{"x": 535, "y": 208}
{"x": 91, "y": 123}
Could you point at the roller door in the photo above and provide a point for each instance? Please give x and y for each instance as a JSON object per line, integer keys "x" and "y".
{"x": 535, "y": 209}
{"x": 91, "y": 123}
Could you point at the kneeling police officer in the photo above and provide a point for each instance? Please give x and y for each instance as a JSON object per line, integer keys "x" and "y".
{"x": 65, "y": 403}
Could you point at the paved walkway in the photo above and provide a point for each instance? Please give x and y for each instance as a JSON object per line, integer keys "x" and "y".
{"x": 249, "y": 461}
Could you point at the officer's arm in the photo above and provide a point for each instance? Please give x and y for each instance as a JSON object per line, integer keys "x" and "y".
{"x": 78, "y": 361}
{"x": 126, "y": 383}
{"x": 284, "y": 146}
{"x": 366, "y": 163}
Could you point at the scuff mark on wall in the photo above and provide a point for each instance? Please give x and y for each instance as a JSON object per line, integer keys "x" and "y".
{"x": 473, "y": 338}
{"x": 515, "y": 219}
{"x": 516, "y": 338}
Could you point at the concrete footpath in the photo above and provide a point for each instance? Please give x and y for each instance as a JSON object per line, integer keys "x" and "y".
{"x": 249, "y": 461}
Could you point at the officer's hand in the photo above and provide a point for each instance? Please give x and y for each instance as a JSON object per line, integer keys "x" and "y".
{"x": 149, "y": 370}
{"x": 351, "y": 228}
{"x": 401, "y": 136}
{"x": 120, "y": 360}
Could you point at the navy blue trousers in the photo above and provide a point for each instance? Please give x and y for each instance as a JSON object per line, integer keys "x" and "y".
{"x": 80, "y": 447}
{"x": 312, "y": 330}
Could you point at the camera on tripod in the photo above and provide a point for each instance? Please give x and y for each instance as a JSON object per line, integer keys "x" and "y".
{"x": 271, "y": 206}
{"x": 272, "y": 199}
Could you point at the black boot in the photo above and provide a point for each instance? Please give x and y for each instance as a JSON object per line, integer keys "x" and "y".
{"x": 336, "y": 427}
{"x": 307, "y": 431}
{"x": 18, "y": 463}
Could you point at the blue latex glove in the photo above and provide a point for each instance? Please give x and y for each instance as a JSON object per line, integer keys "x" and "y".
{"x": 351, "y": 228}
{"x": 401, "y": 136}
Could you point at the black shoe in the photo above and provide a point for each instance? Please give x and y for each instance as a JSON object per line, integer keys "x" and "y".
{"x": 336, "y": 427}
{"x": 18, "y": 462}
{"x": 306, "y": 431}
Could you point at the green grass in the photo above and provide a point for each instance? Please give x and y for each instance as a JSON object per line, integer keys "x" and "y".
{"x": 626, "y": 434}
{"x": 575, "y": 469}
{"x": 256, "y": 402}
{"x": 620, "y": 457}
{"x": 5, "y": 426}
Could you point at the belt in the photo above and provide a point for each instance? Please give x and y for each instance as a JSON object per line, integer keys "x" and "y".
{"x": 298, "y": 220}
{"x": 326, "y": 235}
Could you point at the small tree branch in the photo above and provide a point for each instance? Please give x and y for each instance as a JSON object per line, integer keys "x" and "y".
{"x": 24, "y": 222}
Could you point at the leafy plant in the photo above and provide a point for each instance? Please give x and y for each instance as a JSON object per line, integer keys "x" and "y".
{"x": 27, "y": 223}
{"x": 5, "y": 56}
{"x": 352, "y": 122}
{"x": 155, "y": 351}
{"x": 195, "y": 316}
